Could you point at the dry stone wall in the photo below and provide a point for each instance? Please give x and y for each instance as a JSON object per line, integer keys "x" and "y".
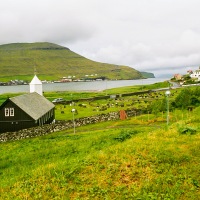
{"x": 62, "y": 125}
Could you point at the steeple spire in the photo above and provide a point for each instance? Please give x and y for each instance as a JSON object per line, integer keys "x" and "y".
{"x": 35, "y": 71}
{"x": 36, "y": 85}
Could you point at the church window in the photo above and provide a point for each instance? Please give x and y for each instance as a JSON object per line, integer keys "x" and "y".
{"x": 9, "y": 112}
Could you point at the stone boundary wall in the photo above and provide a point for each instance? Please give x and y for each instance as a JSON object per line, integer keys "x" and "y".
{"x": 62, "y": 125}
{"x": 106, "y": 97}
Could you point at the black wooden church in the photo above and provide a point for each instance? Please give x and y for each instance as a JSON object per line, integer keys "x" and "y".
{"x": 28, "y": 110}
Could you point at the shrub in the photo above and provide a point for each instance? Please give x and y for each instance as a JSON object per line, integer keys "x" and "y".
{"x": 187, "y": 130}
{"x": 188, "y": 97}
{"x": 125, "y": 134}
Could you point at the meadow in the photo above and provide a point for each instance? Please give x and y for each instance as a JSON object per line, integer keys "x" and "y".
{"x": 130, "y": 159}
{"x": 137, "y": 158}
{"x": 89, "y": 107}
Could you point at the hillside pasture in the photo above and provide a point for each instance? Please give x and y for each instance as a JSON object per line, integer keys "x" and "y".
{"x": 110, "y": 160}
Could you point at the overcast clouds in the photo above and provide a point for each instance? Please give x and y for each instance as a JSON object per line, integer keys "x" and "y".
{"x": 159, "y": 36}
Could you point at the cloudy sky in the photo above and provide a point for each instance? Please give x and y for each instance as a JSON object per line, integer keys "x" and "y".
{"x": 159, "y": 36}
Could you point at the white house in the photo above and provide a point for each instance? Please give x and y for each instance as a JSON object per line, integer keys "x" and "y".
{"x": 196, "y": 74}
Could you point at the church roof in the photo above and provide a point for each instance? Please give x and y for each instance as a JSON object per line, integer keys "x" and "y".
{"x": 33, "y": 104}
{"x": 35, "y": 80}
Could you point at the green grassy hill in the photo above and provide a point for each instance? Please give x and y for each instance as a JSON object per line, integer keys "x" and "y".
{"x": 52, "y": 62}
{"x": 148, "y": 75}
{"x": 137, "y": 158}
{"x": 128, "y": 159}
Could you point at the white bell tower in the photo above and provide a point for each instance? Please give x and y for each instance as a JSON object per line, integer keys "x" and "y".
{"x": 36, "y": 86}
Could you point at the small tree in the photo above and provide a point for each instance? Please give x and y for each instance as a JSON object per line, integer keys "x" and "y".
{"x": 157, "y": 106}
{"x": 188, "y": 97}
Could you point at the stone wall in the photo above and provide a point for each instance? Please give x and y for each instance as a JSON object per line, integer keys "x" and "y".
{"x": 62, "y": 125}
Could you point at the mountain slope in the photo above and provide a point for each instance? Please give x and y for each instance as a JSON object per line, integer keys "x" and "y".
{"x": 148, "y": 75}
{"x": 52, "y": 62}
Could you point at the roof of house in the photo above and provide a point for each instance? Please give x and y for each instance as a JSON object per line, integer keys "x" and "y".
{"x": 33, "y": 104}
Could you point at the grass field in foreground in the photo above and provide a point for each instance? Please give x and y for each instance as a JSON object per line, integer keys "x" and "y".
{"x": 127, "y": 159}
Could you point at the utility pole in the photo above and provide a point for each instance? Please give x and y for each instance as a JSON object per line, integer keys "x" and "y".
{"x": 167, "y": 93}
{"x": 73, "y": 111}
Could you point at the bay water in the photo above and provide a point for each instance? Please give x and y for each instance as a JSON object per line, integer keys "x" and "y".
{"x": 82, "y": 86}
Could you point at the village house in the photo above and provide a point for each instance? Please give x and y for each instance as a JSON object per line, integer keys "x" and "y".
{"x": 177, "y": 76}
{"x": 28, "y": 110}
{"x": 189, "y": 71}
{"x": 196, "y": 74}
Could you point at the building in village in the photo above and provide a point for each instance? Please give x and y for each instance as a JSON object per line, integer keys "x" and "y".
{"x": 178, "y": 76}
{"x": 26, "y": 111}
{"x": 195, "y": 74}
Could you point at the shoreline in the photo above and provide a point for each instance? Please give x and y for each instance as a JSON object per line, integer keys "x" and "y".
{"x": 93, "y": 86}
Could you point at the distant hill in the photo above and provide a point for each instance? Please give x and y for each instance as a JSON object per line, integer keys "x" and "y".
{"x": 147, "y": 75}
{"x": 52, "y": 62}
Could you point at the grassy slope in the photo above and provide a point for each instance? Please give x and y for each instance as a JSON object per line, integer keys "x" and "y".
{"x": 155, "y": 163}
{"x": 148, "y": 75}
{"x": 17, "y": 61}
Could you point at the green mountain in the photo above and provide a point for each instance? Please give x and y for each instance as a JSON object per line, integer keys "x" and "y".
{"x": 147, "y": 75}
{"x": 52, "y": 62}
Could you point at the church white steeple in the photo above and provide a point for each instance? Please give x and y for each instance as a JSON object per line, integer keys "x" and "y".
{"x": 36, "y": 86}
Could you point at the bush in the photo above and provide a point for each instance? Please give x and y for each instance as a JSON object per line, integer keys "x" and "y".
{"x": 187, "y": 97}
{"x": 125, "y": 134}
{"x": 187, "y": 130}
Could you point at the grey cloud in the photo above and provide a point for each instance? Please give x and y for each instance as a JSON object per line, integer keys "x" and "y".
{"x": 154, "y": 35}
{"x": 43, "y": 20}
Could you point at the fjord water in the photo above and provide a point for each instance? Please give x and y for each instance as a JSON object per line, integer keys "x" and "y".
{"x": 82, "y": 86}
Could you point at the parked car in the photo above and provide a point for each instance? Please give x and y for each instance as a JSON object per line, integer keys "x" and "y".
{"x": 58, "y": 100}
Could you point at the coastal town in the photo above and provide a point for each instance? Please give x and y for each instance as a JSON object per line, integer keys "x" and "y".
{"x": 191, "y": 77}
{"x": 92, "y": 77}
